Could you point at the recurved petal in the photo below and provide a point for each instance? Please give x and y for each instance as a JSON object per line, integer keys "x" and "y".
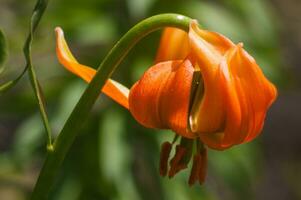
{"x": 237, "y": 95}
{"x": 208, "y": 47}
{"x": 247, "y": 96}
{"x": 259, "y": 91}
{"x": 113, "y": 89}
{"x": 208, "y": 50}
{"x": 160, "y": 99}
{"x": 174, "y": 45}
{"x": 254, "y": 91}
{"x": 232, "y": 100}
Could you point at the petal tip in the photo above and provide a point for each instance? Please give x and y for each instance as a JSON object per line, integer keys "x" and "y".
{"x": 59, "y": 32}
{"x": 194, "y": 24}
{"x": 240, "y": 45}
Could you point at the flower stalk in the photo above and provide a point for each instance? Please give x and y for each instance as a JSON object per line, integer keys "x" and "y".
{"x": 75, "y": 121}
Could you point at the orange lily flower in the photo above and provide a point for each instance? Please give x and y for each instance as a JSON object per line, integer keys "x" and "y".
{"x": 203, "y": 87}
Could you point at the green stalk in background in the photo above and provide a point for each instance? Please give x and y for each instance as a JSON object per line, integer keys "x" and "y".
{"x": 36, "y": 16}
{"x": 75, "y": 121}
{"x": 38, "y": 12}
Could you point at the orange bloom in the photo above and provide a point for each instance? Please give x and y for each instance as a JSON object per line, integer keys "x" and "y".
{"x": 203, "y": 87}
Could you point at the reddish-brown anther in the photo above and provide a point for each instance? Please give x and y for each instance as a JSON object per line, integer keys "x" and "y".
{"x": 199, "y": 167}
{"x": 177, "y": 163}
{"x": 204, "y": 165}
{"x": 164, "y": 156}
{"x": 195, "y": 170}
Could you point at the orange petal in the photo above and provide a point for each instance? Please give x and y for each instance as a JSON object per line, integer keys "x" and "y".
{"x": 113, "y": 89}
{"x": 208, "y": 47}
{"x": 207, "y": 51}
{"x": 160, "y": 99}
{"x": 254, "y": 94}
{"x": 259, "y": 92}
{"x": 237, "y": 95}
{"x": 247, "y": 96}
{"x": 174, "y": 45}
{"x": 117, "y": 92}
{"x": 233, "y": 115}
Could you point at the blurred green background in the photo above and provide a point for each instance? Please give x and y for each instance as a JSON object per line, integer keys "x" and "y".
{"x": 116, "y": 158}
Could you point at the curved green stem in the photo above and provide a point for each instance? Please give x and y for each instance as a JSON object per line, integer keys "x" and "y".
{"x": 35, "y": 19}
{"x": 65, "y": 139}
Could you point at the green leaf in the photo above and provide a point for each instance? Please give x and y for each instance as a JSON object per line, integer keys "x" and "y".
{"x": 3, "y": 51}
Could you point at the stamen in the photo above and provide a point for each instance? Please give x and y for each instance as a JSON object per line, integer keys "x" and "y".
{"x": 175, "y": 164}
{"x": 164, "y": 156}
{"x": 203, "y": 169}
{"x": 195, "y": 170}
{"x": 199, "y": 166}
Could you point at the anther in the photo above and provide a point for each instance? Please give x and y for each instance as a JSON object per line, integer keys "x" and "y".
{"x": 176, "y": 163}
{"x": 199, "y": 166}
{"x": 195, "y": 170}
{"x": 164, "y": 156}
{"x": 204, "y": 163}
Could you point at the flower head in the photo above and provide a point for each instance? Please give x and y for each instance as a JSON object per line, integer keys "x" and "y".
{"x": 203, "y": 87}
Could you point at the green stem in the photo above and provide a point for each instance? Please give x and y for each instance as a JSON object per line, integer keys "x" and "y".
{"x": 74, "y": 123}
{"x": 36, "y": 17}
{"x": 41, "y": 103}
